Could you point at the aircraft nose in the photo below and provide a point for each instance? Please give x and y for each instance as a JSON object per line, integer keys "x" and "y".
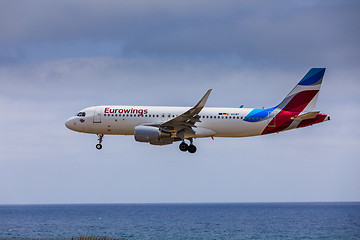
{"x": 70, "y": 123}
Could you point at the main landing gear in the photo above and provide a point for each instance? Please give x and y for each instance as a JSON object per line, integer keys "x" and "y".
{"x": 185, "y": 147}
{"x": 99, "y": 146}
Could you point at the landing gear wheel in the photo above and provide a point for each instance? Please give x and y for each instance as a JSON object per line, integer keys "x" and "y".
{"x": 191, "y": 149}
{"x": 100, "y": 139}
{"x": 183, "y": 147}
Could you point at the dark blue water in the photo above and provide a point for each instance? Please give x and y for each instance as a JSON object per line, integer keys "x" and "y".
{"x": 183, "y": 221}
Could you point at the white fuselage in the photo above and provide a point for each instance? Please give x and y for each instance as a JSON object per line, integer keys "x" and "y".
{"x": 121, "y": 120}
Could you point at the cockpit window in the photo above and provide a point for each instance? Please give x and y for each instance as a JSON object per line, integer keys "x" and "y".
{"x": 81, "y": 114}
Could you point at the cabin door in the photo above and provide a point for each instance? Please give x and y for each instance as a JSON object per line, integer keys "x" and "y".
{"x": 97, "y": 115}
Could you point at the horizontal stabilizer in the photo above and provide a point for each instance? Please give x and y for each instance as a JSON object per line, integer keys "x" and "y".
{"x": 309, "y": 115}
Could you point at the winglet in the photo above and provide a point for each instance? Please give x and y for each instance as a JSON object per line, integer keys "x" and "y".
{"x": 203, "y": 100}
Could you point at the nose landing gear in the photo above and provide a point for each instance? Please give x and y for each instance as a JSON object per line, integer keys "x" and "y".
{"x": 100, "y": 139}
{"x": 185, "y": 147}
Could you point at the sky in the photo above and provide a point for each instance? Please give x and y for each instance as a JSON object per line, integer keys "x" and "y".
{"x": 58, "y": 57}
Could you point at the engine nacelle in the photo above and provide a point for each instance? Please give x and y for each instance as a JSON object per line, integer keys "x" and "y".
{"x": 152, "y": 135}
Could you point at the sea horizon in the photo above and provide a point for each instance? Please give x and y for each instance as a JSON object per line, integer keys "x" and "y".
{"x": 251, "y": 220}
{"x": 182, "y": 203}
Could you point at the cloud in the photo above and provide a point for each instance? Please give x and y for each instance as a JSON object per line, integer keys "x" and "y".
{"x": 38, "y": 97}
{"x": 265, "y": 33}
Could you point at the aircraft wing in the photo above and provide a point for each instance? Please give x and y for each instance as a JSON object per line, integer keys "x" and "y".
{"x": 186, "y": 121}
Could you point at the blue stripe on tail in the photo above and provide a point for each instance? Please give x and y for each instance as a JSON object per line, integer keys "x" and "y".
{"x": 314, "y": 76}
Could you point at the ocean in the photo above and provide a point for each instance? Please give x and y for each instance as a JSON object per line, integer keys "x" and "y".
{"x": 182, "y": 221}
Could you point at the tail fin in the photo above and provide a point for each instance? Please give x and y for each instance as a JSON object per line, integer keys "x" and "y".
{"x": 304, "y": 95}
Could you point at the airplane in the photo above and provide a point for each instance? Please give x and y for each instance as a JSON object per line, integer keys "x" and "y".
{"x": 161, "y": 125}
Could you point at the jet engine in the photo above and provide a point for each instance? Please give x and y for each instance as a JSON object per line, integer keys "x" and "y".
{"x": 152, "y": 135}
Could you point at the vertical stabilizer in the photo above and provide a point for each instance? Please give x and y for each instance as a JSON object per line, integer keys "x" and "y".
{"x": 304, "y": 95}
